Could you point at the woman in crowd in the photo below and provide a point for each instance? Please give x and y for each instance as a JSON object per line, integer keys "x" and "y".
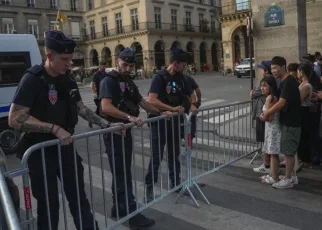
{"x": 258, "y": 102}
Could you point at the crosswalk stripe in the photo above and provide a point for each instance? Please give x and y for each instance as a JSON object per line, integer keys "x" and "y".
{"x": 212, "y": 102}
{"x": 229, "y": 116}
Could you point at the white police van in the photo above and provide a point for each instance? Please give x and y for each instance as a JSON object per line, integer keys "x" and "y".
{"x": 18, "y": 52}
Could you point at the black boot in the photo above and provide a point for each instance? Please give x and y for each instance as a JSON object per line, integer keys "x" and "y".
{"x": 139, "y": 221}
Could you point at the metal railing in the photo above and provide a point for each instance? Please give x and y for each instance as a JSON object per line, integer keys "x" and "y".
{"x": 8, "y": 216}
{"x": 154, "y": 26}
{"x": 214, "y": 138}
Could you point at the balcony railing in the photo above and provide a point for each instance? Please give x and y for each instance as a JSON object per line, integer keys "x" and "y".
{"x": 152, "y": 26}
{"x": 41, "y": 38}
{"x": 239, "y": 6}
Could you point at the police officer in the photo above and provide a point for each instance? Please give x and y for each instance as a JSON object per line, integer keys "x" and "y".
{"x": 169, "y": 91}
{"x": 95, "y": 85}
{"x": 120, "y": 101}
{"x": 46, "y": 106}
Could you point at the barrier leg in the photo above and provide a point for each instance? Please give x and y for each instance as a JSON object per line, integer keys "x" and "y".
{"x": 186, "y": 188}
{"x": 255, "y": 156}
{"x": 202, "y": 194}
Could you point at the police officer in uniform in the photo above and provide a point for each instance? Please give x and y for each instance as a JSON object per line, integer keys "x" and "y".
{"x": 46, "y": 106}
{"x": 95, "y": 85}
{"x": 120, "y": 101}
{"x": 169, "y": 91}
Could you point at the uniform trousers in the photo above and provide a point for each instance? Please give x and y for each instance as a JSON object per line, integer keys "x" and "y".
{"x": 70, "y": 187}
{"x": 123, "y": 175}
{"x": 167, "y": 132}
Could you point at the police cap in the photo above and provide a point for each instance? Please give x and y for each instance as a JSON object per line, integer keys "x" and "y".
{"x": 127, "y": 55}
{"x": 57, "y": 41}
{"x": 177, "y": 54}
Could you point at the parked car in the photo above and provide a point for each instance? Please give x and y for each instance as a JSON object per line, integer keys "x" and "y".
{"x": 243, "y": 69}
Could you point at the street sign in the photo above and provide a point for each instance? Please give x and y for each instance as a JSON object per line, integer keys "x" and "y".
{"x": 274, "y": 16}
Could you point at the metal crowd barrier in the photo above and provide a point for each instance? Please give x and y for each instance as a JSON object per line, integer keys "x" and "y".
{"x": 224, "y": 136}
{"x": 9, "y": 218}
{"x": 217, "y": 144}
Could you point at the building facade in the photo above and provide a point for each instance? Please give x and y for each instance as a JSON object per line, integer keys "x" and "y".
{"x": 151, "y": 28}
{"x": 37, "y": 16}
{"x": 234, "y": 36}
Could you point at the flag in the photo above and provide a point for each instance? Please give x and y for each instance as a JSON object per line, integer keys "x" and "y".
{"x": 61, "y": 19}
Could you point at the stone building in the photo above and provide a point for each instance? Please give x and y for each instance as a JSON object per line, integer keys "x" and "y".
{"x": 151, "y": 28}
{"x": 298, "y": 35}
{"x": 37, "y": 16}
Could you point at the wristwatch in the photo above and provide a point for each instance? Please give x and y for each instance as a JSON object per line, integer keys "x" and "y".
{"x": 128, "y": 117}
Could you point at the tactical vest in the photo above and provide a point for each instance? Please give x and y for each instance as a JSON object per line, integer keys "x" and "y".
{"x": 174, "y": 91}
{"x": 55, "y": 102}
{"x": 127, "y": 101}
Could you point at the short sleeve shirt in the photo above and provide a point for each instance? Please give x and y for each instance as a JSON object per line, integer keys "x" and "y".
{"x": 290, "y": 115}
{"x": 112, "y": 87}
{"x": 28, "y": 88}
{"x": 193, "y": 83}
{"x": 158, "y": 85}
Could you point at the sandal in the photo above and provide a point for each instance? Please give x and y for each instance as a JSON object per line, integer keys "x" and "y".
{"x": 269, "y": 180}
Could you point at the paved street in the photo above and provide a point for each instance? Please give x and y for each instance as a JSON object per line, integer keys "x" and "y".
{"x": 238, "y": 200}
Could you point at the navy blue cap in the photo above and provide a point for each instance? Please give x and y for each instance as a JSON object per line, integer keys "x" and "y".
{"x": 265, "y": 65}
{"x": 127, "y": 55}
{"x": 57, "y": 41}
{"x": 177, "y": 54}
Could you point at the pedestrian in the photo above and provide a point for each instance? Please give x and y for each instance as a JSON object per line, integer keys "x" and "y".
{"x": 289, "y": 106}
{"x": 120, "y": 101}
{"x": 95, "y": 85}
{"x": 169, "y": 91}
{"x": 272, "y": 138}
{"x": 258, "y": 100}
{"x": 46, "y": 106}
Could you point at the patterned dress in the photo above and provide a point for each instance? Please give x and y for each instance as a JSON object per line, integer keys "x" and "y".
{"x": 272, "y": 142}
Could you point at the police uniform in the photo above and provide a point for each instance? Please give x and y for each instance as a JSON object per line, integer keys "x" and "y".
{"x": 53, "y": 100}
{"x": 125, "y": 97}
{"x": 97, "y": 78}
{"x": 174, "y": 91}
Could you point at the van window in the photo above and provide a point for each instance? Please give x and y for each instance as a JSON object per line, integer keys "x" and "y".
{"x": 12, "y": 67}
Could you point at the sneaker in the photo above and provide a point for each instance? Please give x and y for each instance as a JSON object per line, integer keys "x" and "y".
{"x": 284, "y": 184}
{"x": 139, "y": 221}
{"x": 294, "y": 179}
{"x": 262, "y": 169}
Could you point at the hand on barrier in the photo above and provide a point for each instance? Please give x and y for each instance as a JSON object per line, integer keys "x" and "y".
{"x": 168, "y": 113}
{"x": 138, "y": 121}
{"x": 63, "y": 135}
{"x": 179, "y": 109}
{"x": 251, "y": 94}
{"x": 119, "y": 132}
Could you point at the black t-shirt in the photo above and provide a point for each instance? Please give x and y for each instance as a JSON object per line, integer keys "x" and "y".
{"x": 290, "y": 115}
{"x": 97, "y": 78}
{"x": 159, "y": 86}
{"x": 28, "y": 88}
{"x": 192, "y": 82}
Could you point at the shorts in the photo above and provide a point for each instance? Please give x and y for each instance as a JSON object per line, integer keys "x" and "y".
{"x": 290, "y": 139}
{"x": 260, "y": 130}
